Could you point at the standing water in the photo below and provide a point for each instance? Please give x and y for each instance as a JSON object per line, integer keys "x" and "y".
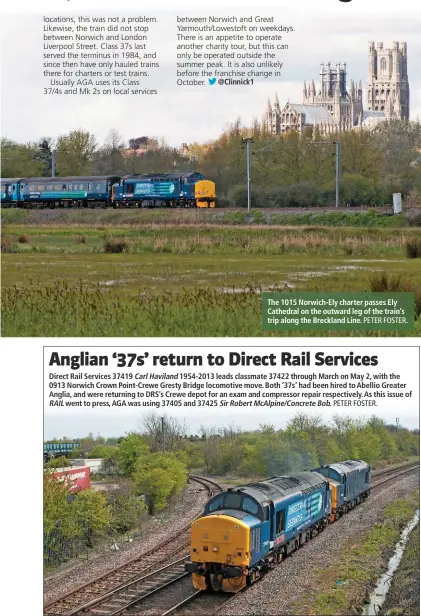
{"x": 378, "y": 596}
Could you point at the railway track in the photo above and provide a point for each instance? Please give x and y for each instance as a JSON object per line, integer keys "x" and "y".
{"x": 142, "y": 577}
{"x": 389, "y": 471}
{"x": 115, "y": 591}
{"x": 390, "y": 475}
{"x": 199, "y": 602}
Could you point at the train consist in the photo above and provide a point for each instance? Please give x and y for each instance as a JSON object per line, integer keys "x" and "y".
{"x": 245, "y": 531}
{"x": 153, "y": 190}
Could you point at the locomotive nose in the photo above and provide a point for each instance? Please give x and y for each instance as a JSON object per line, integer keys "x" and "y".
{"x": 220, "y": 539}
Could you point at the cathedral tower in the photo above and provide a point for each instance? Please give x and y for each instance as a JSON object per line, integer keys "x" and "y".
{"x": 388, "y": 85}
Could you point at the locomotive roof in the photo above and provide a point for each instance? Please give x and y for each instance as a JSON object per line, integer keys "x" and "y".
{"x": 277, "y": 488}
{"x": 343, "y": 468}
{"x": 12, "y": 179}
{"x": 163, "y": 176}
{"x": 76, "y": 178}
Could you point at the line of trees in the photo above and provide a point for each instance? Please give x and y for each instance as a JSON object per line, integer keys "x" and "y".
{"x": 147, "y": 478}
{"x": 306, "y": 442}
{"x": 293, "y": 171}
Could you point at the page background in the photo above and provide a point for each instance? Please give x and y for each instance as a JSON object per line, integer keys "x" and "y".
{"x": 22, "y": 359}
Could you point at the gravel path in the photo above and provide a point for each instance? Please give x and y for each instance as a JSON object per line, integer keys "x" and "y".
{"x": 191, "y": 502}
{"x": 273, "y": 595}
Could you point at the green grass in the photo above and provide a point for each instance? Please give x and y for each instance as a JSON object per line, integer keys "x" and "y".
{"x": 178, "y": 280}
{"x": 404, "y": 593}
{"x": 314, "y": 216}
{"x": 215, "y": 240}
{"x": 358, "y": 566}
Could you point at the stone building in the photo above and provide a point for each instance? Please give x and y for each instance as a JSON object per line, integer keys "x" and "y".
{"x": 388, "y": 85}
{"x": 332, "y": 107}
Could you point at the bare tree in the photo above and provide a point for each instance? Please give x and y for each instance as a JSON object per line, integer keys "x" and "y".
{"x": 159, "y": 430}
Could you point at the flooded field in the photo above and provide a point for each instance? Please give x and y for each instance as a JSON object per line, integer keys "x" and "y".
{"x": 53, "y": 269}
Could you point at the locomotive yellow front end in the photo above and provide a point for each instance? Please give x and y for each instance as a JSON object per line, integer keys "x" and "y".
{"x": 204, "y": 193}
{"x": 220, "y": 553}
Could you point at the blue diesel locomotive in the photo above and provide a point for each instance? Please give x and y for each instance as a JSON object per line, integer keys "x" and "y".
{"x": 171, "y": 189}
{"x": 349, "y": 482}
{"x": 247, "y": 530}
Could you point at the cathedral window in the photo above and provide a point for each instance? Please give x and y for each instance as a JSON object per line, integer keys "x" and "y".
{"x": 383, "y": 65}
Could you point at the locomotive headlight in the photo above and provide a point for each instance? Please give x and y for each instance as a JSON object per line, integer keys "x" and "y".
{"x": 214, "y": 549}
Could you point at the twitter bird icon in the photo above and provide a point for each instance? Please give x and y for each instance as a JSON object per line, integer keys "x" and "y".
{"x": 212, "y": 81}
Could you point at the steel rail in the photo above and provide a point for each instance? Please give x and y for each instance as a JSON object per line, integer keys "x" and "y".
{"x": 128, "y": 572}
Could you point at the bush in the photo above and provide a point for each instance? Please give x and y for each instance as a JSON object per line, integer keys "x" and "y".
{"x": 413, "y": 249}
{"x": 356, "y": 190}
{"x": 116, "y": 245}
{"x": 23, "y": 239}
{"x": 303, "y": 194}
{"x": 60, "y": 462}
{"x": 415, "y": 220}
{"x": 8, "y": 244}
{"x": 81, "y": 239}
{"x": 126, "y": 509}
{"x": 159, "y": 477}
{"x": 237, "y": 196}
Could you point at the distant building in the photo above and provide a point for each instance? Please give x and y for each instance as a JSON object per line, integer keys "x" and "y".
{"x": 95, "y": 464}
{"x": 332, "y": 107}
{"x": 388, "y": 85}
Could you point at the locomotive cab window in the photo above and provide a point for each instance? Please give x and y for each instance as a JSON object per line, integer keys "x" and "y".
{"x": 232, "y": 500}
{"x": 130, "y": 187}
{"x": 250, "y": 505}
{"x": 280, "y": 521}
{"x": 217, "y": 503}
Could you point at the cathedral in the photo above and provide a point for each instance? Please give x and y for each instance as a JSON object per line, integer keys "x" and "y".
{"x": 332, "y": 107}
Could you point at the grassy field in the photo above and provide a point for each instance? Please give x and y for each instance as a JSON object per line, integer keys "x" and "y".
{"x": 135, "y": 273}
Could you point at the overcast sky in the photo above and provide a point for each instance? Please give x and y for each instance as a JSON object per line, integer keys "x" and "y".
{"x": 75, "y": 425}
{"x": 181, "y": 114}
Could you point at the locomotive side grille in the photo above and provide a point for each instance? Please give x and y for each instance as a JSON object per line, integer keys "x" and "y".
{"x": 255, "y": 540}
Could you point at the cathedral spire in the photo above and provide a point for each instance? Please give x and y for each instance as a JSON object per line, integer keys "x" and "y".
{"x": 276, "y": 103}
